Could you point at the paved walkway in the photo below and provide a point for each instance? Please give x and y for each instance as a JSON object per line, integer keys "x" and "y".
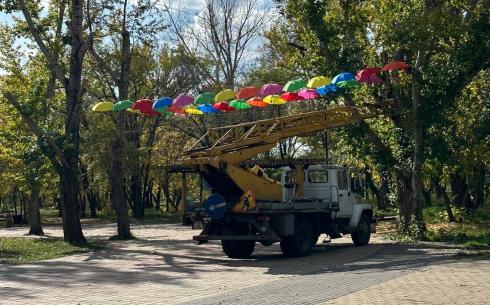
{"x": 165, "y": 267}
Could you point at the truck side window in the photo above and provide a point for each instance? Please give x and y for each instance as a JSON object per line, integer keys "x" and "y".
{"x": 342, "y": 180}
{"x": 317, "y": 176}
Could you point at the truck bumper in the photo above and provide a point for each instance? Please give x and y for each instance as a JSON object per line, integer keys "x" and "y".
{"x": 236, "y": 237}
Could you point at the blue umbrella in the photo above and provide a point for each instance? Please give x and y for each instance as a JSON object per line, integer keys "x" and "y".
{"x": 207, "y": 108}
{"x": 342, "y": 77}
{"x": 162, "y": 103}
{"x": 330, "y": 88}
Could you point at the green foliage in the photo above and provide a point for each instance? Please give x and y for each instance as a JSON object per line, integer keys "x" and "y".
{"x": 18, "y": 250}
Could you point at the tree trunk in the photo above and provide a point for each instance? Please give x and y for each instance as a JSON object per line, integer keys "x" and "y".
{"x": 34, "y": 214}
{"x": 445, "y": 199}
{"x": 417, "y": 188}
{"x": 72, "y": 229}
{"x": 460, "y": 192}
{"x": 480, "y": 186}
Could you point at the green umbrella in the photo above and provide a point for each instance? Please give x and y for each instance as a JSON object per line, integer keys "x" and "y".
{"x": 122, "y": 105}
{"x": 347, "y": 84}
{"x": 163, "y": 110}
{"x": 204, "y": 98}
{"x": 239, "y": 104}
{"x": 295, "y": 85}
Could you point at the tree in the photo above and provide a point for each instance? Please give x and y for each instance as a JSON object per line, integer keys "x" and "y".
{"x": 64, "y": 152}
{"x": 225, "y": 30}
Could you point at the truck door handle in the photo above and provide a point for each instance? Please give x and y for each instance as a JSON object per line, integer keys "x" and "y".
{"x": 348, "y": 194}
{"x": 341, "y": 195}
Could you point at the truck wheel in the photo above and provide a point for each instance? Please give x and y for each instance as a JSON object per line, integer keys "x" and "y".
{"x": 301, "y": 243}
{"x": 362, "y": 234}
{"x": 238, "y": 248}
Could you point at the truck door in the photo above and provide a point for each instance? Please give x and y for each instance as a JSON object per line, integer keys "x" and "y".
{"x": 346, "y": 197}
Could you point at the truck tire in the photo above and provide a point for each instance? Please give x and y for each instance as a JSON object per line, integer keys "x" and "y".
{"x": 301, "y": 243}
{"x": 238, "y": 248}
{"x": 362, "y": 234}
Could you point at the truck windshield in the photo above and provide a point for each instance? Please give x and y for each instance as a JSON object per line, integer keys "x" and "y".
{"x": 317, "y": 176}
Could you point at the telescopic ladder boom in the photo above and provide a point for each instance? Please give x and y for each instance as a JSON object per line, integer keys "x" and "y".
{"x": 243, "y": 141}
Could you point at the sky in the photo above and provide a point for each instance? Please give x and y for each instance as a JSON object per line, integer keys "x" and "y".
{"x": 185, "y": 8}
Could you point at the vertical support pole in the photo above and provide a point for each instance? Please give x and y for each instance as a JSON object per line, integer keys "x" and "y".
{"x": 325, "y": 144}
{"x": 200, "y": 188}
{"x": 184, "y": 192}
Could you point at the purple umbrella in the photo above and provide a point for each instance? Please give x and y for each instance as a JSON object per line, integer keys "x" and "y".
{"x": 182, "y": 101}
{"x": 308, "y": 94}
{"x": 270, "y": 89}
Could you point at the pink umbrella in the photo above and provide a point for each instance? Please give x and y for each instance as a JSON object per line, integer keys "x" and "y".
{"x": 308, "y": 94}
{"x": 182, "y": 101}
{"x": 369, "y": 76}
{"x": 270, "y": 89}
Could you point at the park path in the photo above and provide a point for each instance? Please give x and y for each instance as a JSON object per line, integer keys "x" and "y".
{"x": 165, "y": 267}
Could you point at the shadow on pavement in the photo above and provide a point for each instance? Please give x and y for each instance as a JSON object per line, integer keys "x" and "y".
{"x": 172, "y": 261}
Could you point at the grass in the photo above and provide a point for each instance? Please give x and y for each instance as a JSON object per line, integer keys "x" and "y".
{"x": 17, "y": 250}
{"x": 470, "y": 230}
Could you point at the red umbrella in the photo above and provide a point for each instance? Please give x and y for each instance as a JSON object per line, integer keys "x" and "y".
{"x": 395, "y": 65}
{"x": 247, "y": 92}
{"x": 257, "y": 102}
{"x": 175, "y": 109}
{"x": 292, "y": 96}
{"x": 223, "y": 106}
{"x": 369, "y": 76}
{"x": 143, "y": 105}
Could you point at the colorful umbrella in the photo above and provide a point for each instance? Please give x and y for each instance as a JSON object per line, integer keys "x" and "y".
{"x": 225, "y": 95}
{"x": 291, "y": 96}
{"x": 136, "y": 111}
{"x": 274, "y": 100}
{"x": 270, "y": 89}
{"x": 239, "y": 104}
{"x": 318, "y": 81}
{"x": 347, "y": 84}
{"x": 308, "y": 94}
{"x": 330, "y": 88}
{"x": 223, "y": 106}
{"x": 207, "y": 108}
{"x": 257, "y": 102}
{"x": 247, "y": 92}
{"x": 150, "y": 113}
{"x": 122, "y": 105}
{"x": 162, "y": 103}
{"x": 395, "y": 65}
{"x": 295, "y": 85}
{"x": 192, "y": 110}
{"x": 175, "y": 109}
{"x": 182, "y": 101}
{"x": 204, "y": 98}
{"x": 369, "y": 76}
{"x": 345, "y": 76}
{"x": 163, "y": 110}
{"x": 103, "y": 107}
{"x": 143, "y": 105}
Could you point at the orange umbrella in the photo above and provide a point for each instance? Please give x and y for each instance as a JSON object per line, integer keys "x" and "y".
{"x": 247, "y": 92}
{"x": 395, "y": 65}
{"x": 257, "y": 102}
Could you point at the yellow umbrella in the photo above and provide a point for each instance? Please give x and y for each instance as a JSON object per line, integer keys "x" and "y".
{"x": 225, "y": 95}
{"x": 274, "y": 100}
{"x": 318, "y": 81}
{"x": 103, "y": 107}
{"x": 193, "y": 111}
